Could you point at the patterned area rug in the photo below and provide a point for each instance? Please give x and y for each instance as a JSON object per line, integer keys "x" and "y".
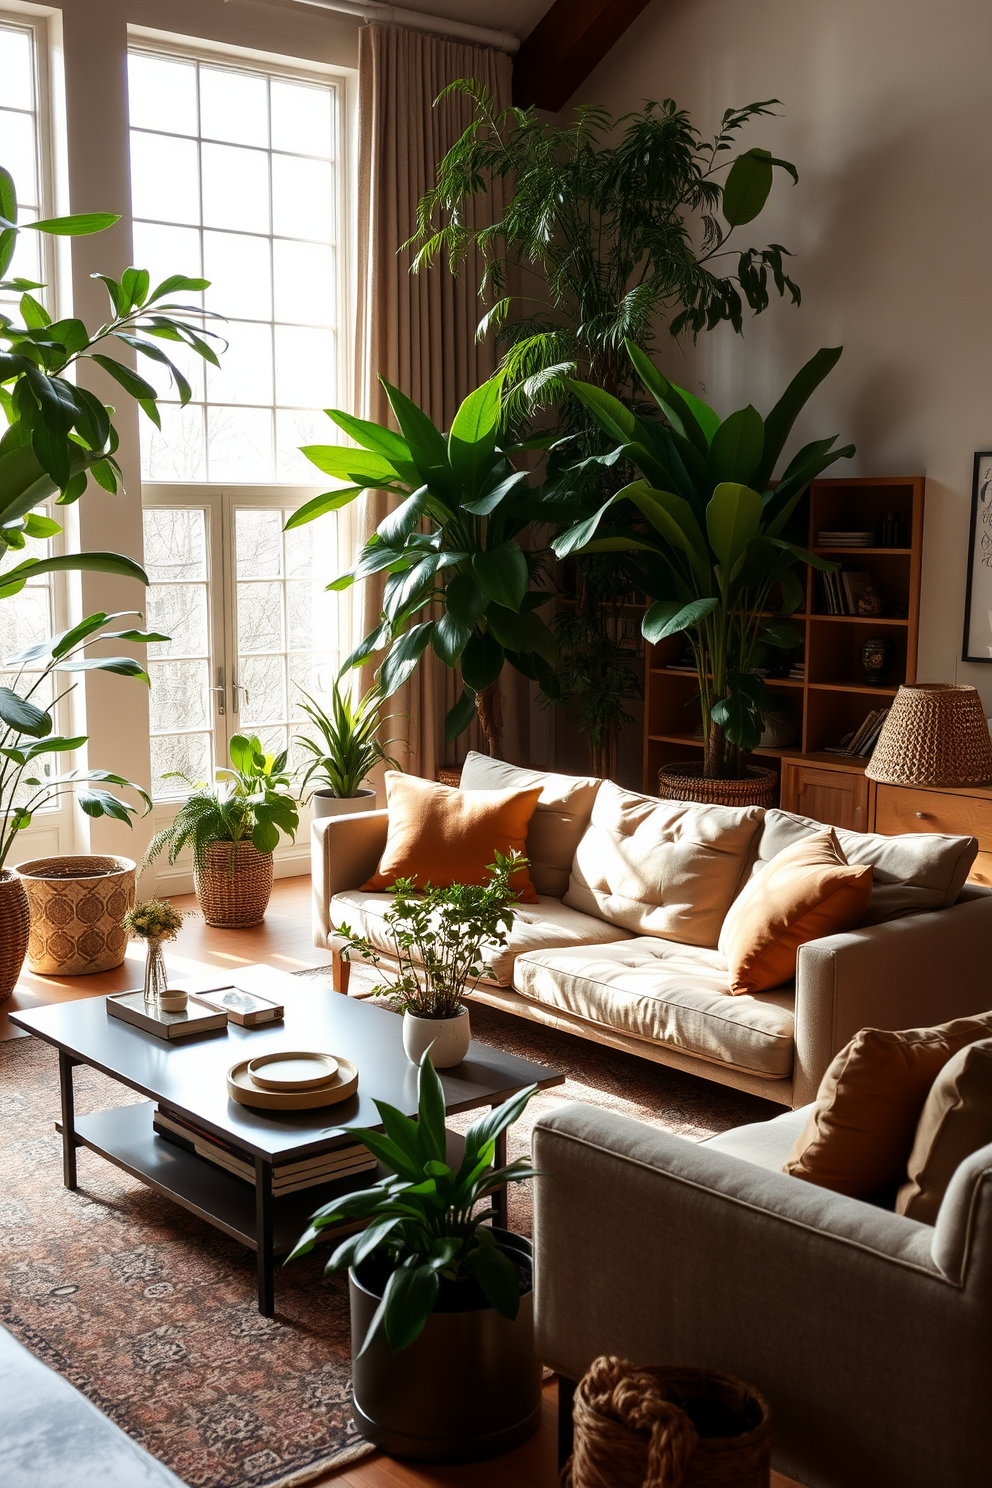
{"x": 152, "y": 1314}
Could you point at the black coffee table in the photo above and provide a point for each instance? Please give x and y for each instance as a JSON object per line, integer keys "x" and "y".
{"x": 189, "y": 1077}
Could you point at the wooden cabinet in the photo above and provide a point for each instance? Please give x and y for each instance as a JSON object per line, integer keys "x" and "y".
{"x": 961, "y": 813}
{"x": 839, "y": 798}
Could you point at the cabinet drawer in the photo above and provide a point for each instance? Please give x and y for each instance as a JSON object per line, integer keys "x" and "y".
{"x": 981, "y": 870}
{"x": 899, "y": 808}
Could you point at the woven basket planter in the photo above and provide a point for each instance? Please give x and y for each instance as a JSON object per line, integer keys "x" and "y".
{"x": 667, "y": 1428}
{"x": 233, "y": 884}
{"x": 15, "y": 924}
{"x": 448, "y": 775}
{"x": 685, "y": 782}
{"x": 77, "y": 905}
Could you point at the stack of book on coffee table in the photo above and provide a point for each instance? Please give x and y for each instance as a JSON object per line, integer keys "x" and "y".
{"x": 308, "y": 1172}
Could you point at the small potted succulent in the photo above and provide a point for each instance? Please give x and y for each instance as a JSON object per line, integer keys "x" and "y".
{"x": 345, "y": 749}
{"x": 443, "y": 1362}
{"x": 155, "y": 921}
{"x": 232, "y": 828}
{"x": 438, "y": 939}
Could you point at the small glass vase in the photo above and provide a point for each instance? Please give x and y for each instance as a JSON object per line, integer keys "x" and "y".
{"x": 156, "y": 977}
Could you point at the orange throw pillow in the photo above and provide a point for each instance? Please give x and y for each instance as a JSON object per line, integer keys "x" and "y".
{"x": 441, "y": 836}
{"x": 859, "y": 1133}
{"x": 806, "y": 891}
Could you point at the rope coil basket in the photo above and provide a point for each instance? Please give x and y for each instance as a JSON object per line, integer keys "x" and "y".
{"x": 667, "y": 1428}
{"x": 233, "y": 884}
{"x": 935, "y": 734}
{"x": 685, "y": 782}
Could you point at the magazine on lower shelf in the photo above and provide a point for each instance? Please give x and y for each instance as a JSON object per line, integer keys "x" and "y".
{"x": 308, "y": 1172}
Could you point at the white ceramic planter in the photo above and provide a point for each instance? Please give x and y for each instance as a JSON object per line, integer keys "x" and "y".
{"x": 325, "y": 803}
{"x": 450, "y": 1037}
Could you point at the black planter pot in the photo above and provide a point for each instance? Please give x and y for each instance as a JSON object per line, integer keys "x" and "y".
{"x": 469, "y": 1387}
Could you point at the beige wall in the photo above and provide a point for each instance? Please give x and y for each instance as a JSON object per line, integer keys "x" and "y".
{"x": 886, "y": 114}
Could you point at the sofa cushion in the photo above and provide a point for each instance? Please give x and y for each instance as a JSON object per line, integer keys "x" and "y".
{"x": 440, "y": 835}
{"x": 912, "y": 872}
{"x": 805, "y": 892}
{"x": 666, "y": 868}
{"x": 547, "y": 923}
{"x": 956, "y": 1121}
{"x": 860, "y": 1129}
{"x": 668, "y": 993}
{"x": 562, "y": 815}
{"x": 765, "y": 1143}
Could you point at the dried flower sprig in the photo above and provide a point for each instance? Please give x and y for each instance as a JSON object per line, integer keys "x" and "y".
{"x": 155, "y": 919}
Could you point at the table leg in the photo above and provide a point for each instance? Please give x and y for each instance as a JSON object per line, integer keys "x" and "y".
{"x": 263, "y": 1236}
{"x": 499, "y": 1197}
{"x": 66, "y": 1066}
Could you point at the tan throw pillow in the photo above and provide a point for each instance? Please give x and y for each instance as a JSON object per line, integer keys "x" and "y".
{"x": 667, "y": 868}
{"x": 441, "y": 836}
{"x": 859, "y": 1132}
{"x": 563, "y": 810}
{"x": 809, "y": 890}
{"x": 956, "y": 1121}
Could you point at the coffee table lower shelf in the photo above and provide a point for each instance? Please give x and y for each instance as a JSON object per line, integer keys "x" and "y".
{"x": 125, "y": 1136}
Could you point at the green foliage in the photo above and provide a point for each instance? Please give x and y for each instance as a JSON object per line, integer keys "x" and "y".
{"x": 58, "y": 432}
{"x": 154, "y": 919}
{"x": 347, "y": 747}
{"x": 623, "y": 233}
{"x": 713, "y": 536}
{"x": 440, "y": 936}
{"x": 451, "y": 545}
{"x": 252, "y": 799}
{"x": 595, "y": 679}
{"x": 26, "y": 727}
{"x": 424, "y": 1220}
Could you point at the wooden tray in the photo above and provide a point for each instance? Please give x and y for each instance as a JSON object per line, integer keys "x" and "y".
{"x": 242, "y": 1088}
{"x": 293, "y": 1070}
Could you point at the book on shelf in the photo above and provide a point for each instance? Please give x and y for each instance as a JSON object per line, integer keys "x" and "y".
{"x": 842, "y": 589}
{"x": 827, "y": 538}
{"x": 862, "y": 741}
{"x": 340, "y": 1162}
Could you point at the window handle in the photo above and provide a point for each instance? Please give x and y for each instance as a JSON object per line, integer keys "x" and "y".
{"x": 221, "y": 692}
{"x": 236, "y": 687}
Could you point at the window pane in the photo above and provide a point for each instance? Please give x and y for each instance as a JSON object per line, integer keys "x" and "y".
{"x": 302, "y": 198}
{"x": 175, "y": 543}
{"x": 164, "y": 178}
{"x": 301, "y": 118}
{"x": 260, "y": 617}
{"x": 296, "y": 427}
{"x": 26, "y": 262}
{"x": 272, "y": 740}
{"x": 240, "y": 272}
{"x": 235, "y": 188}
{"x": 187, "y": 753}
{"x": 258, "y": 537}
{"x": 240, "y": 444}
{"x": 300, "y": 552}
{"x": 179, "y": 695}
{"x": 161, "y": 93}
{"x": 306, "y": 372}
{"x": 17, "y": 68}
{"x": 20, "y": 154}
{"x": 245, "y": 371}
{"x": 304, "y": 281}
{"x": 164, "y": 251}
{"x": 264, "y": 677}
{"x": 24, "y": 619}
{"x": 233, "y": 106}
{"x": 176, "y": 452}
{"x": 180, "y": 612}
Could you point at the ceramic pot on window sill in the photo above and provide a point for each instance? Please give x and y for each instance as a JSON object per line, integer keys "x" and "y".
{"x": 326, "y": 803}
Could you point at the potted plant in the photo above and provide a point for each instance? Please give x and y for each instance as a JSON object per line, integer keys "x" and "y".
{"x": 444, "y": 1367}
{"x": 459, "y": 577}
{"x": 346, "y": 750}
{"x": 715, "y": 548}
{"x": 438, "y": 939}
{"x": 232, "y": 828}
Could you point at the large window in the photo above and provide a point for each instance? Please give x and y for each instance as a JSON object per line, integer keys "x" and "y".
{"x": 235, "y": 179}
{"x": 21, "y": 144}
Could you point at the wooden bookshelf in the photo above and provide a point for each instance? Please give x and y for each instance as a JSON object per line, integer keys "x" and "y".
{"x": 834, "y": 696}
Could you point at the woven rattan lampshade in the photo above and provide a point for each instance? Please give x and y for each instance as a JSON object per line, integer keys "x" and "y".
{"x": 935, "y": 734}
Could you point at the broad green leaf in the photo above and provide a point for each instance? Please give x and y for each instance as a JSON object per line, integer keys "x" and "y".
{"x": 787, "y": 637}
{"x": 736, "y": 447}
{"x": 778, "y": 424}
{"x": 668, "y": 616}
{"x": 472, "y": 437}
{"x": 497, "y": 1276}
{"x": 430, "y": 1109}
{"x": 733, "y": 517}
{"x": 748, "y": 184}
{"x": 142, "y": 392}
{"x": 428, "y": 448}
{"x": 403, "y": 656}
{"x": 464, "y": 599}
{"x": 498, "y": 493}
{"x": 78, "y": 226}
{"x": 397, "y": 526}
{"x": 608, "y": 411}
{"x": 22, "y": 716}
{"x": 409, "y": 1301}
{"x": 450, "y": 638}
{"x": 482, "y": 661}
{"x": 460, "y": 716}
{"x": 112, "y": 563}
{"x": 354, "y": 465}
{"x": 522, "y": 631}
{"x": 502, "y": 574}
{"x": 319, "y": 506}
{"x": 122, "y": 666}
{"x": 380, "y": 440}
{"x": 691, "y": 417}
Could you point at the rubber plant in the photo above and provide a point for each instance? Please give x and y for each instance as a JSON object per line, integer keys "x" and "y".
{"x": 458, "y": 579}
{"x": 713, "y": 540}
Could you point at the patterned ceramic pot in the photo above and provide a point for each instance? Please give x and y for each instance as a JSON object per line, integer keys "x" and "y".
{"x": 15, "y": 920}
{"x": 77, "y": 905}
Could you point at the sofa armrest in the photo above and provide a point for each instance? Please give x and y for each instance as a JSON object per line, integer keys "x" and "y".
{"x": 907, "y": 973}
{"x": 344, "y": 852}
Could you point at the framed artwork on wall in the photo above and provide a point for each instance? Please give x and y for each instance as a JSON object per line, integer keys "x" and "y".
{"x": 978, "y": 593}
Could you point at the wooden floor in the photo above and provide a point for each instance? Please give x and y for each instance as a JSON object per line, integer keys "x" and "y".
{"x": 284, "y": 940}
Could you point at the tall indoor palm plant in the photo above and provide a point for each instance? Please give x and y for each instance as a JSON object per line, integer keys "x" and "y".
{"x": 713, "y": 536}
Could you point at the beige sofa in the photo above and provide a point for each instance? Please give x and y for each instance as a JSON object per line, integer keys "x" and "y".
{"x": 621, "y": 946}
{"x": 867, "y": 1332}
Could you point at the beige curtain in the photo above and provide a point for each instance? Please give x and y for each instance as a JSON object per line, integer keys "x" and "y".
{"x": 416, "y": 330}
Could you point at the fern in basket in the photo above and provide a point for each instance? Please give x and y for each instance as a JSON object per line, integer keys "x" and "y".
{"x": 439, "y": 938}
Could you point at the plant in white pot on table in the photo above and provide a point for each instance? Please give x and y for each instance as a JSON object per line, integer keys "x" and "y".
{"x": 444, "y": 1367}
{"x": 232, "y": 828}
{"x": 344, "y": 749}
{"x": 439, "y": 940}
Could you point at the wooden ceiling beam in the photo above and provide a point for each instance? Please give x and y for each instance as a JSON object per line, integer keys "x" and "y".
{"x": 564, "y": 47}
